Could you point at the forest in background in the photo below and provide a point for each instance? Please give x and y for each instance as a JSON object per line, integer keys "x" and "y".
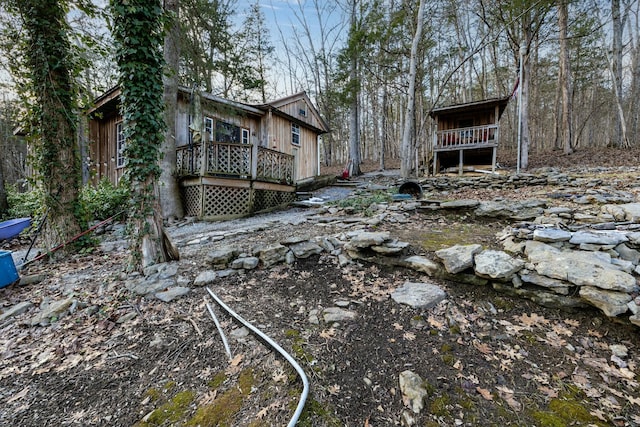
{"x": 353, "y": 57}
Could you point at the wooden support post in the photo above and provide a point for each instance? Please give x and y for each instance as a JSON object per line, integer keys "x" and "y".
{"x": 435, "y": 162}
{"x": 460, "y": 164}
{"x": 493, "y": 159}
{"x": 254, "y": 161}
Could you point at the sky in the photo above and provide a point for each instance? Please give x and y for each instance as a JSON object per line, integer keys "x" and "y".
{"x": 285, "y": 22}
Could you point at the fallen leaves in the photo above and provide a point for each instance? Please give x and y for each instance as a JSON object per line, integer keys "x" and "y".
{"x": 508, "y": 396}
{"x": 486, "y": 394}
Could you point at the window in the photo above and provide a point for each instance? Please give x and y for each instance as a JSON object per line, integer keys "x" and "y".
{"x": 208, "y": 127}
{"x": 120, "y": 146}
{"x": 227, "y": 132}
{"x": 302, "y": 111}
{"x": 295, "y": 134}
{"x": 245, "y": 136}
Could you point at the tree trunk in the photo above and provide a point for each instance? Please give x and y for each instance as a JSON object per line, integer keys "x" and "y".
{"x": 55, "y": 118}
{"x": 616, "y": 68}
{"x": 565, "y": 80}
{"x": 409, "y": 120}
{"x": 354, "y": 107}
{"x": 138, "y": 39}
{"x": 170, "y": 199}
{"x": 4, "y": 205}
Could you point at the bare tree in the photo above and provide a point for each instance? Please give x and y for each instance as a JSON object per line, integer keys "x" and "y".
{"x": 565, "y": 79}
{"x": 408, "y": 134}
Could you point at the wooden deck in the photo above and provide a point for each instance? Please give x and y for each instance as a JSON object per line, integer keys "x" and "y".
{"x": 462, "y": 139}
{"x": 229, "y": 180}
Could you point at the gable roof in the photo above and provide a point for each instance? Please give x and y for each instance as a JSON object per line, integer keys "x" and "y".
{"x": 110, "y": 100}
{"x": 277, "y": 105}
{"x": 474, "y": 106}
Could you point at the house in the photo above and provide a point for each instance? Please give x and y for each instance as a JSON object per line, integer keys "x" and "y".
{"x": 239, "y": 160}
{"x": 467, "y": 134}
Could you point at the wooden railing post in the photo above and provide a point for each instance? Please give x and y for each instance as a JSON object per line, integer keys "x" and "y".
{"x": 254, "y": 161}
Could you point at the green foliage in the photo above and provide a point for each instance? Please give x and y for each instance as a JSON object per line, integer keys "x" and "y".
{"x": 104, "y": 200}
{"x": 138, "y": 38}
{"x": 22, "y": 205}
{"x": 363, "y": 204}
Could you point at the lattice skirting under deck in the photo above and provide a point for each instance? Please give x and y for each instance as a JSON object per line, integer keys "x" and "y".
{"x": 208, "y": 201}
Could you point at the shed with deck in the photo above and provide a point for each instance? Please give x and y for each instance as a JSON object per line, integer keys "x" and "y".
{"x": 467, "y": 134}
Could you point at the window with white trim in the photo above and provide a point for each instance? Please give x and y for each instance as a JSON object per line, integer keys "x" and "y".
{"x": 120, "y": 146}
{"x": 295, "y": 134}
{"x": 245, "y": 136}
{"x": 208, "y": 127}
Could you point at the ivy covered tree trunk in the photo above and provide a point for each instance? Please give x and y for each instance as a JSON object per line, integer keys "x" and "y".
{"x": 170, "y": 199}
{"x": 53, "y": 115}
{"x": 138, "y": 36}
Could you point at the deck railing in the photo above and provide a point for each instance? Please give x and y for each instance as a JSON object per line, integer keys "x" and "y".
{"x": 469, "y": 137}
{"x": 274, "y": 166}
{"x": 232, "y": 160}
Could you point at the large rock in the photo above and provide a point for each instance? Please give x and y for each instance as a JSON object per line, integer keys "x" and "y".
{"x": 628, "y": 254}
{"x": 271, "y": 254}
{"x": 623, "y": 212}
{"x": 221, "y": 256}
{"x": 367, "y": 239}
{"x": 418, "y": 295}
{"x": 551, "y": 235}
{"x": 422, "y": 264}
{"x": 172, "y": 293}
{"x": 458, "y": 258}
{"x": 611, "y": 303}
{"x": 205, "y": 278}
{"x": 247, "y": 263}
{"x": 305, "y": 249}
{"x": 596, "y": 237}
{"x": 557, "y": 286}
{"x": 496, "y": 265}
{"x": 511, "y": 209}
{"x": 579, "y": 267}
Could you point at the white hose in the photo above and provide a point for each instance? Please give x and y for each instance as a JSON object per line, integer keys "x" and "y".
{"x": 224, "y": 339}
{"x": 291, "y": 360}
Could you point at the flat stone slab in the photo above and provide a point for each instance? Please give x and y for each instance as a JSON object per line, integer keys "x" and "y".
{"x": 367, "y": 239}
{"x": 418, "y": 295}
{"x": 337, "y": 314}
{"x": 420, "y": 263}
{"x": 460, "y": 204}
{"x": 596, "y": 237}
{"x": 305, "y": 249}
{"x": 172, "y": 293}
{"x": 205, "y": 278}
{"x": 551, "y": 235}
{"x": 580, "y": 268}
{"x": 611, "y": 303}
{"x": 496, "y": 264}
{"x": 458, "y": 258}
{"x": 15, "y": 310}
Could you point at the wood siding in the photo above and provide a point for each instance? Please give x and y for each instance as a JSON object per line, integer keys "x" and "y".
{"x": 295, "y": 108}
{"x": 102, "y": 149}
{"x": 267, "y": 128}
{"x": 306, "y": 162}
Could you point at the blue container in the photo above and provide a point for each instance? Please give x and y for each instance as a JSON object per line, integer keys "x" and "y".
{"x": 8, "y": 272}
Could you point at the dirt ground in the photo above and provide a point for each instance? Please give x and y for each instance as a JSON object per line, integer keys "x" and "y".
{"x": 486, "y": 359}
